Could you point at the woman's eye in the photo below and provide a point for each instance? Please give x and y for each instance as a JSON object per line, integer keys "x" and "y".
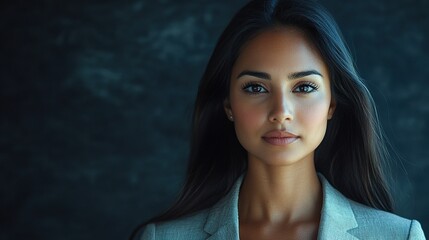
{"x": 254, "y": 88}
{"x": 305, "y": 88}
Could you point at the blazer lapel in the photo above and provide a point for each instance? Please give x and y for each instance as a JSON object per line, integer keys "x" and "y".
{"x": 337, "y": 216}
{"x": 222, "y": 220}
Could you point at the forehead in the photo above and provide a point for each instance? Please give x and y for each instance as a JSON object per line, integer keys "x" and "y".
{"x": 281, "y": 49}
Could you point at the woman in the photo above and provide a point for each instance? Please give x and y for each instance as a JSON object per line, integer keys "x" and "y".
{"x": 286, "y": 142}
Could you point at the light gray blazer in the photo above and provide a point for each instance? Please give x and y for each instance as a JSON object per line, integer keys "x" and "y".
{"x": 341, "y": 218}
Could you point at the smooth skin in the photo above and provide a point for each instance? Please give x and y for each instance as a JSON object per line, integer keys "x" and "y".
{"x": 280, "y": 82}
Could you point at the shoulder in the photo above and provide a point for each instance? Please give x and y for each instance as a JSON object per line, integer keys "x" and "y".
{"x": 221, "y": 218}
{"x": 371, "y": 216}
{"x": 371, "y": 220}
{"x": 341, "y": 214}
{"x": 188, "y": 227}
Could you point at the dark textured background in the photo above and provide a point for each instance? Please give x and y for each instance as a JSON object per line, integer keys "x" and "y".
{"x": 96, "y": 98}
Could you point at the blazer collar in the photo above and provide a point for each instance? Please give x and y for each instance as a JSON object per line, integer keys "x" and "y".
{"x": 222, "y": 220}
{"x": 337, "y": 216}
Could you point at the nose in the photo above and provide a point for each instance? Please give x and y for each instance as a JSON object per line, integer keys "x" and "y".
{"x": 281, "y": 110}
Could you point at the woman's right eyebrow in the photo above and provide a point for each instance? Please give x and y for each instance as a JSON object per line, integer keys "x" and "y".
{"x": 262, "y": 75}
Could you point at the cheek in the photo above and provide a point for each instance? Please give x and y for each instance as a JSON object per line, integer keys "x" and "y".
{"x": 314, "y": 115}
{"x": 248, "y": 116}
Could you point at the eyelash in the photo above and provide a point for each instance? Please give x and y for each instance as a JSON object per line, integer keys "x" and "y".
{"x": 313, "y": 86}
{"x": 252, "y": 84}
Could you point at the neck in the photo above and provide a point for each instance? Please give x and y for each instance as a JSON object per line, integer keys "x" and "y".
{"x": 273, "y": 194}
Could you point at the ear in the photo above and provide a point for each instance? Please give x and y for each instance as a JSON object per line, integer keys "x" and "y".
{"x": 228, "y": 110}
{"x": 332, "y": 107}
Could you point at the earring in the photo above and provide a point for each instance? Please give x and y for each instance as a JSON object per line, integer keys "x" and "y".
{"x": 230, "y": 117}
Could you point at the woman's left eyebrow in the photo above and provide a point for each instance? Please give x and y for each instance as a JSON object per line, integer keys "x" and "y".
{"x": 304, "y": 74}
{"x": 266, "y": 76}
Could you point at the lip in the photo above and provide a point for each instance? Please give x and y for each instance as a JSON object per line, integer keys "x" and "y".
{"x": 279, "y": 138}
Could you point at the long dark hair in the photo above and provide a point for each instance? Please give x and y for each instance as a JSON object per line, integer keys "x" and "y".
{"x": 352, "y": 153}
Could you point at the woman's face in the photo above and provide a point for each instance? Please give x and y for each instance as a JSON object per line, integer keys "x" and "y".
{"x": 280, "y": 99}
